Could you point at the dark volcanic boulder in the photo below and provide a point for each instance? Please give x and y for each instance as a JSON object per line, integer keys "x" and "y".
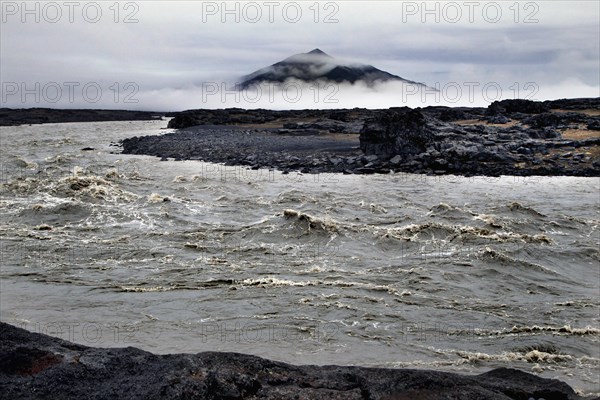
{"x": 397, "y": 131}
{"x": 227, "y": 116}
{"x": 516, "y": 105}
{"x": 574, "y": 104}
{"x": 594, "y": 125}
{"x": 181, "y": 121}
{"x": 543, "y": 133}
{"x": 453, "y": 114}
{"x": 554, "y": 119}
{"x": 497, "y": 119}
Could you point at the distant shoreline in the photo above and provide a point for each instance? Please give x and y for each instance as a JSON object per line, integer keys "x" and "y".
{"x": 31, "y": 116}
{"x": 511, "y": 137}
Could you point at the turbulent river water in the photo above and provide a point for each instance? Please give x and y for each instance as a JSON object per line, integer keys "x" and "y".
{"x": 447, "y": 273}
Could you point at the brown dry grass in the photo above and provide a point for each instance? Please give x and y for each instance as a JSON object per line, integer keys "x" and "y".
{"x": 343, "y": 137}
{"x": 468, "y": 122}
{"x": 478, "y": 122}
{"x": 580, "y": 134}
{"x": 267, "y": 125}
{"x": 587, "y": 111}
{"x": 594, "y": 151}
{"x": 278, "y": 123}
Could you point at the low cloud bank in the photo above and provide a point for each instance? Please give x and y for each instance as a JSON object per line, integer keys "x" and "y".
{"x": 292, "y": 94}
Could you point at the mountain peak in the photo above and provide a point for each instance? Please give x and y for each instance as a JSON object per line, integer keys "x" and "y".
{"x": 318, "y": 52}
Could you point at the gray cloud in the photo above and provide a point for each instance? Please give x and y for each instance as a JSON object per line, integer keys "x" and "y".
{"x": 176, "y": 47}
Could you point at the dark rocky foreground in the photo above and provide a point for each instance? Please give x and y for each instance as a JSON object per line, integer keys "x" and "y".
{"x": 510, "y": 137}
{"x": 36, "y": 366}
{"x": 24, "y": 116}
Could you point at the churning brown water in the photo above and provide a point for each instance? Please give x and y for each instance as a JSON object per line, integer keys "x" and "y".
{"x": 453, "y": 273}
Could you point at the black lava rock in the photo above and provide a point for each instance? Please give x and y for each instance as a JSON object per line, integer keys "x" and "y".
{"x": 36, "y": 366}
{"x": 517, "y": 105}
{"x": 397, "y": 131}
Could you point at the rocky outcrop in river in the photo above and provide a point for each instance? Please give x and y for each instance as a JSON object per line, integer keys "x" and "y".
{"x": 510, "y": 137}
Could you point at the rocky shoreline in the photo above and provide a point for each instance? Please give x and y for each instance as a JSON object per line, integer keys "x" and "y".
{"x": 510, "y": 137}
{"x": 36, "y": 366}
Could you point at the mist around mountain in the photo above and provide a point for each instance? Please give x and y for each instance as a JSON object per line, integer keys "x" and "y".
{"x": 319, "y": 67}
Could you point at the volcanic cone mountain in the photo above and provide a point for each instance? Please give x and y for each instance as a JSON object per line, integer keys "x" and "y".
{"x": 317, "y": 66}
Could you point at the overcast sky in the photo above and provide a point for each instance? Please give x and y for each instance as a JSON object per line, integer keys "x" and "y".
{"x": 172, "y": 55}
